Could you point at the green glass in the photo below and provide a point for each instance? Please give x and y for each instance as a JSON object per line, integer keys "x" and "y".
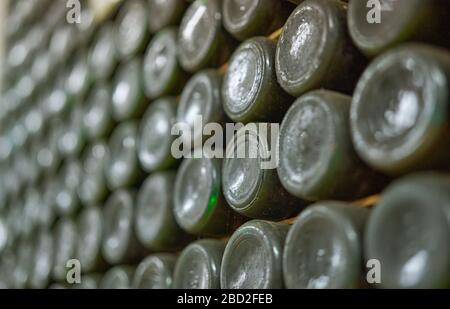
{"x": 58, "y": 101}
{"x": 98, "y": 117}
{"x": 79, "y": 79}
{"x": 65, "y": 239}
{"x": 201, "y": 97}
{"x": 324, "y": 248}
{"x": 70, "y": 176}
{"x": 317, "y": 158}
{"x": 198, "y": 266}
{"x": 399, "y": 21}
{"x": 253, "y": 257}
{"x": 119, "y": 277}
{"x": 200, "y": 207}
{"x": 90, "y": 232}
{"x": 43, "y": 260}
{"x": 131, "y": 33}
{"x": 128, "y": 99}
{"x": 155, "y": 138}
{"x": 248, "y": 18}
{"x": 41, "y": 68}
{"x": 408, "y": 233}
{"x": 250, "y": 183}
{"x": 162, "y": 14}
{"x": 73, "y": 137}
{"x": 250, "y": 90}
{"x": 122, "y": 164}
{"x": 314, "y": 50}
{"x": 202, "y": 40}
{"x": 120, "y": 244}
{"x": 155, "y": 224}
{"x": 399, "y": 115}
{"x": 162, "y": 75}
{"x": 103, "y": 56}
{"x": 34, "y": 120}
{"x": 93, "y": 187}
{"x": 155, "y": 272}
{"x": 62, "y": 44}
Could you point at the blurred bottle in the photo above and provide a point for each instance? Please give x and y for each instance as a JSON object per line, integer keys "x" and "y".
{"x": 122, "y": 164}
{"x": 399, "y": 114}
{"x": 119, "y": 277}
{"x": 103, "y": 56}
{"x": 155, "y": 223}
{"x": 408, "y": 233}
{"x": 73, "y": 137}
{"x": 79, "y": 79}
{"x": 324, "y": 249}
{"x": 162, "y": 75}
{"x": 202, "y": 40}
{"x": 128, "y": 99}
{"x": 65, "y": 240}
{"x": 317, "y": 158}
{"x": 198, "y": 266}
{"x": 155, "y": 272}
{"x": 200, "y": 207}
{"x": 155, "y": 138}
{"x": 248, "y": 18}
{"x": 120, "y": 244}
{"x": 93, "y": 187}
{"x": 98, "y": 117}
{"x": 249, "y": 187}
{"x": 70, "y": 176}
{"x": 164, "y": 13}
{"x": 315, "y": 51}
{"x": 250, "y": 89}
{"x": 131, "y": 33}
{"x": 42, "y": 264}
{"x": 376, "y": 29}
{"x": 90, "y": 225}
{"x": 252, "y": 258}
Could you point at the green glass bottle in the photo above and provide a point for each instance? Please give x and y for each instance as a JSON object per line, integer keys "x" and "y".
{"x": 253, "y": 257}
{"x": 250, "y": 182}
{"x": 62, "y": 43}
{"x": 120, "y": 244}
{"x": 43, "y": 260}
{"x": 47, "y": 207}
{"x": 155, "y": 272}
{"x": 201, "y": 97}
{"x": 162, "y": 14}
{"x": 128, "y": 99}
{"x": 103, "y": 56}
{"x": 202, "y": 40}
{"x": 399, "y": 117}
{"x": 131, "y": 33}
{"x": 314, "y": 50}
{"x": 65, "y": 239}
{"x": 408, "y": 233}
{"x": 250, "y": 90}
{"x": 66, "y": 201}
{"x": 73, "y": 137}
{"x": 90, "y": 232}
{"x": 162, "y": 75}
{"x": 198, "y": 266}
{"x": 376, "y": 27}
{"x": 155, "y": 138}
{"x": 79, "y": 79}
{"x": 98, "y": 117}
{"x": 200, "y": 207}
{"x": 118, "y": 277}
{"x": 155, "y": 224}
{"x": 248, "y": 18}
{"x": 317, "y": 158}
{"x": 324, "y": 247}
{"x": 93, "y": 188}
{"x": 122, "y": 165}
{"x": 24, "y": 263}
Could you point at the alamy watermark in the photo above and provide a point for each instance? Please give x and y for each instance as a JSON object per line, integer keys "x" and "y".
{"x": 376, "y": 7}
{"x": 73, "y": 15}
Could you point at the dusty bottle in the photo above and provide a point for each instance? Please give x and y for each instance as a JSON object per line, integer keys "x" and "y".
{"x": 70, "y": 177}
{"x": 252, "y": 258}
{"x": 155, "y": 272}
{"x": 162, "y": 14}
{"x": 98, "y": 117}
{"x": 324, "y": 248}
{"x": 118, "y": 277}
{"x": 408, "y": 233}
{"x": 198, "y": 266}
{"x": 103, "y": 57}
{"x": 43, "y": 260}
{"x": 399, "y": 115}
{"x": 314, "y": 50}
{"x": 250, "y": 90}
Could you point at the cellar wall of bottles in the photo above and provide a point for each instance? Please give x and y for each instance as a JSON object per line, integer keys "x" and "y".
{"x": 116, "y": 162}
